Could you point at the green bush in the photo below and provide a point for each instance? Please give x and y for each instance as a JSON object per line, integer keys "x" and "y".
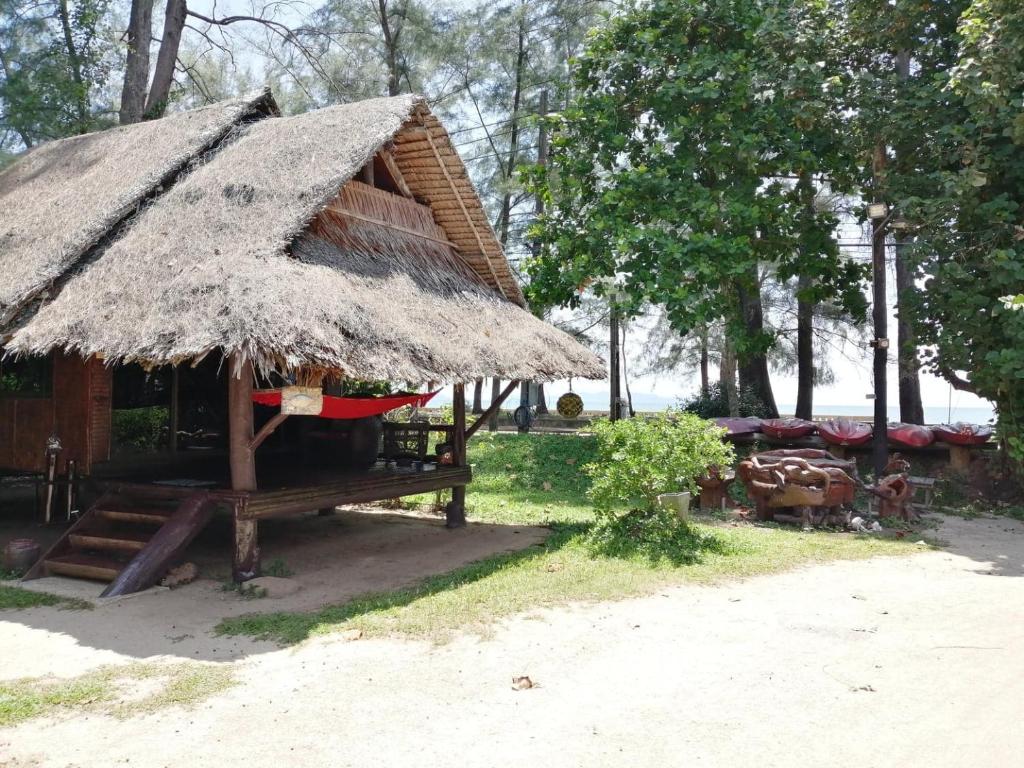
{"x": 712, "y": 403}
{"x": 638, "y": 459}
{"x": 143, "y": 428}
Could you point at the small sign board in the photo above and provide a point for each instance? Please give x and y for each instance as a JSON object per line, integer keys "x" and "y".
{"x": 302, "y": 401}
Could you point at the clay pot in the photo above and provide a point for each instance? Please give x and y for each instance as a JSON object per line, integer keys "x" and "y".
{"x": 20, "y": 555}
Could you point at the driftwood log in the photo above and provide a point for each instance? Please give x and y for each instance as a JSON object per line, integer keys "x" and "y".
{"x": 798, "y": 479}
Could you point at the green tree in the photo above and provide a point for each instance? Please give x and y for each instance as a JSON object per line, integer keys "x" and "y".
{"x": 970, "y": 237}
{"x": 54, "y": 59}
{"x": 676, "y": 169}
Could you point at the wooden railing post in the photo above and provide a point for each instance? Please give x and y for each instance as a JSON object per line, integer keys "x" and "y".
{"x": 455, "y": 514}
{"x": 246, "y": 561}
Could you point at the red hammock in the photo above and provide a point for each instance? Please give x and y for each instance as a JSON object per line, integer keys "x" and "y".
{"x": 350, "y": 407}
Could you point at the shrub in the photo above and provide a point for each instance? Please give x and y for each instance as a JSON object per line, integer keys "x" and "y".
{"x": 638, "y": 459}
{"x": 143, "y": 428}
{"x": 712, "y": 403}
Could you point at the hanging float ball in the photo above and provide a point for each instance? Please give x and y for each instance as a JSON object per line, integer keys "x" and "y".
{"x": 569, "y": 405}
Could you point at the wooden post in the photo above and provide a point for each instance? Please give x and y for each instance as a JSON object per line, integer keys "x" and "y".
{"x": 613, "y": 362}
{"x": 960, "y": 459}
{"x": 491, "y": 409}
{"x": 455, "y": 513}
{"x": 246, "y": 564}
{"x": 492, "y": 422}
{"x": 173, "y": 412}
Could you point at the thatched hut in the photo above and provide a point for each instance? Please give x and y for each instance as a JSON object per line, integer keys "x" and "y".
{"x": 345, "y": 244}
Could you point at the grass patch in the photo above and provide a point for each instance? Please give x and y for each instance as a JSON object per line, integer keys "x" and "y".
{"x": 538, "y": 479}
{"x": 122, "y": 691}
{"x": 16, "y": 598}
{"x": 566, "y": 568}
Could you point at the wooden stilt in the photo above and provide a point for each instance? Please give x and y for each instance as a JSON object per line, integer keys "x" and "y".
{"x": 173, "y": 412}
{"x": 455, "y": 514}
{"x": 960, "y": 459}
{"x": 246, "y": 564}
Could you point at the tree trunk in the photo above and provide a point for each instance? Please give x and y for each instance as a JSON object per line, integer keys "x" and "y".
{"x": 753, "y": 368}
{"x": 390, "y": 48}
{"x": 508, "y": 168}
{"x": 907, "y": 364}
{"x": 492, "y": 423}
{"x": 804, "y": 352}
{"x": 75, "y": 63}
{"x": 727, "y": 378}
{"x": 542, "y": 403}
{"x": 705, "y": 383}
{"x": 136, "y": 69}
{"x": 625, "y": 373}
{"x": 478, "y": 397}
{"x": 167, "y": 59}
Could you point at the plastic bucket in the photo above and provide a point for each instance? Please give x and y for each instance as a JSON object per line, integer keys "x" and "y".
{"x": 676, "y": 502}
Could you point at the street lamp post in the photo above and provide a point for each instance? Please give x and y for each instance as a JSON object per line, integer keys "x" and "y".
{"x": 878, "y": 214}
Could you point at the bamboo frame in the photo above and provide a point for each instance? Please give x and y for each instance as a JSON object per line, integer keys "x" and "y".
{"x": 465, "y": 212}
{"x": 492, "y": 408}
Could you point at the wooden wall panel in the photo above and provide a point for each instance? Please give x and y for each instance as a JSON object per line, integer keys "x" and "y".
{"x": 101, "y": 385}
{"x": 32, "y": 424}
{"x": 78, "y": 412}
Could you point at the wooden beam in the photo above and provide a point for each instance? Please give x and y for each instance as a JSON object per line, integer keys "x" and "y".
{"x": 266, "y": 430}
{"x": 455, "y": 514}
{"x": 396, "y": 174}
{"x": 334, "y": 208}
{"x": 492, "y": 409}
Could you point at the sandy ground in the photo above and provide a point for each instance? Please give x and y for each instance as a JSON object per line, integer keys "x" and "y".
{"x": 889, "y": 662}
{"x": 333, "y": 559}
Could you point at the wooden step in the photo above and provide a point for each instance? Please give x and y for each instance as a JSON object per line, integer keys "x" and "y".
{"x": 144, "y": 515}
{"x": 84, "y": 566}
{"x": 118, "y": 540}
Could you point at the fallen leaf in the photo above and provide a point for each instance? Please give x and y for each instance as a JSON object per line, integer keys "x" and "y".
{"x": 570, "y": 461}
{"x": 521, "y": 683}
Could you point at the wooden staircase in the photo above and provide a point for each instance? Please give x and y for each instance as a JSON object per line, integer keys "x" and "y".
{"x": 129, "y": 537}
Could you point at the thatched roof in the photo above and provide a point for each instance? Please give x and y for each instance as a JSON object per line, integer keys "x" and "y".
{"x": 225, "y": 260}
{"x": 64, "y": 197}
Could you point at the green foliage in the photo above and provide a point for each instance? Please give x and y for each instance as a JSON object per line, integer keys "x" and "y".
{"x": 26, "y": 376}
{"x": 54, "y": 58}
{"x": 142, "y": 428}
{"x": 671, "y": 168}
{"x": 279, "y": 568}
{"x": 638, "y": 459}
{"x": 713, "y": 403}
{"x": 656, "y": 535}
{"x": 965, "y": 196}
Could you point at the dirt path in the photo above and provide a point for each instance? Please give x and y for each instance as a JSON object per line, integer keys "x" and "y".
{"x": 890, "y": 662}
